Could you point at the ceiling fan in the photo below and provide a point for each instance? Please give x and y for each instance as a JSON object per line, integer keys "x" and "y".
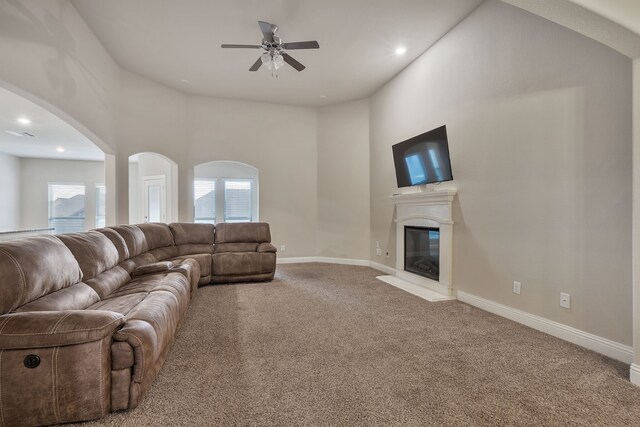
{"x": 274, "y": 55}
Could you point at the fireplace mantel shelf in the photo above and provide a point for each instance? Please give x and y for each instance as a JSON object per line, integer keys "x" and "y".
{"x": 444, "y": 195}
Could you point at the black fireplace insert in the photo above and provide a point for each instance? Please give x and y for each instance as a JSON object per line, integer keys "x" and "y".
{"x": 422, "y": 251}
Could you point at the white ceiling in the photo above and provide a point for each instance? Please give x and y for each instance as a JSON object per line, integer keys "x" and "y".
{"x": 50, "y": 132}
{"x": 173, "y": 40}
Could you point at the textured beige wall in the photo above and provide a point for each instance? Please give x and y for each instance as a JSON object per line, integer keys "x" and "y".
{"x": 279, "y": 140}
{"x": 343, "y": 180}
{"x": 539, "y": 121}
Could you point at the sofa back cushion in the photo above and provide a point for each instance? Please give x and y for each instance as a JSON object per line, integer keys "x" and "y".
{"x": 33, "y": 267}
{"x": 244, "y": 232}
{"x": 118, "y": 241}
{"x": 160, "y": 241}
{"x": 192, "y": 234}
{"x": 158, "y": 235}
{"x": 193, "y": 238}
{"x": 93, "y": 250}
{"x": 133, "y": 237}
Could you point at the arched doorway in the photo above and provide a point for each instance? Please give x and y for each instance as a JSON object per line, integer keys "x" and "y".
{"x": 153, "y": 188}
{"x": 53, "y": 177}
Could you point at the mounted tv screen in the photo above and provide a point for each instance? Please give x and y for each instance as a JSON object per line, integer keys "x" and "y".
{"x": 423, "y": 159}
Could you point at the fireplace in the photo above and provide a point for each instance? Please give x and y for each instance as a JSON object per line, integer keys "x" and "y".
{"x": 424, "y": 231}
{"x": 422, "y": 251}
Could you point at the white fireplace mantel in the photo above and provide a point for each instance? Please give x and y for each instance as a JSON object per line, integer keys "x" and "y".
{"x": 427, "y": 209}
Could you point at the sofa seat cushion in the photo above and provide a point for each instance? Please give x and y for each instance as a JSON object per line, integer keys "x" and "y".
{"x": 150, "y": 330}
{"x": 203, "y": 260}
{"x": 122, "y": 304}
{"x": 173, "y": 282}
{"x": 241, "y": 263}
{"x": 75, "y": 297}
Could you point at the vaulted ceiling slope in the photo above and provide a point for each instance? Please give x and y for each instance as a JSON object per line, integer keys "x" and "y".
{"x": 177, "y": 43}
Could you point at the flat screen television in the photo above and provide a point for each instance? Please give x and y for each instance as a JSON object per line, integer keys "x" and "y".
{"x": 423, "y": 159}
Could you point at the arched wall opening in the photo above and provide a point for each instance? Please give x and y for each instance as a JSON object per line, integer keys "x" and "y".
{"x": 153, "y": 188}
{"x": 226, "y": 191}
{"x": 54, "y": 178}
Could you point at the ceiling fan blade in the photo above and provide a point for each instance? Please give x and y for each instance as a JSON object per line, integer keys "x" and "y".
{"x": 242, "y": 46}
{"x": 295, "y": 64}
{"x": 301, "y": 45}
{"x": 256, "y": 65}
{"x": 267, "y": 30}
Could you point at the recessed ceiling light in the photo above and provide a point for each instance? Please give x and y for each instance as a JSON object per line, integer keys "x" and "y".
{"x": 184, "y": 81}
{"x": 400, "y": 50}
{"x": 60, "y": 149}
{"x": 323, "y": 96}
{"x": 23, "y": 120}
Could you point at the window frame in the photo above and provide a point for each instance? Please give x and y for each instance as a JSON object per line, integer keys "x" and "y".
{"x": 50, "y": 204}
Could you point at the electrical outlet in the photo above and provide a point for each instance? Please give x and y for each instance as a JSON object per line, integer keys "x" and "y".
{"x": 378, "y": 251}
{"x": 516, "y": 287}
{"x": 565, "y": 300}
{"x": 282, "y": 248}
{"x": 378, "y": 244}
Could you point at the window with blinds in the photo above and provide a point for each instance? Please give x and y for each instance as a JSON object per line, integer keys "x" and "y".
{"x": 205, "y": 201}
{"x": 237, "y": 201}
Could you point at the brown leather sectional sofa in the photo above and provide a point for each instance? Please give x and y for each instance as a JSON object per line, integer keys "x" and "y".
{"x": 86, "y": 319}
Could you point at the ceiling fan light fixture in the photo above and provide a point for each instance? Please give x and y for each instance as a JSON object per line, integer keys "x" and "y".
{"x": 273, "y": 55}
{"x": 267, "y": 60}
{"x": 278, "y": 61}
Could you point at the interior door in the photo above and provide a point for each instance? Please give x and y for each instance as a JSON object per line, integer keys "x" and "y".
{"x": 155, "y": 199}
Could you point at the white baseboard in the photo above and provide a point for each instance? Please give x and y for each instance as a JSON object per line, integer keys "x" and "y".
{"x": 383, "y": 268}
{"x": 327, "y": 260}
{"x": 296, "y": 260}
{"x": 634, "y": 374}
{"x": 346, "y": 261}
{"x": 584, "y": 339}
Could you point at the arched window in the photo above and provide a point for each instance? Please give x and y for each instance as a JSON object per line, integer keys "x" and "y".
{"x": 225, "y": 191}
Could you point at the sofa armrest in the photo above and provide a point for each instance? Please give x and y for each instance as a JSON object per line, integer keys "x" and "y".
{"x": 39, "y": 329}
{"x": 266, "y": 247}
{"x": 156, "y": 267}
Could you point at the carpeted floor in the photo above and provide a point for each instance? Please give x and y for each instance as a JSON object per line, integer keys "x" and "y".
{"x": 330, "y": 345}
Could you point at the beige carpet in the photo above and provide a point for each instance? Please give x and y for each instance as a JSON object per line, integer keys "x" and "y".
{"x": 331, "y": 345}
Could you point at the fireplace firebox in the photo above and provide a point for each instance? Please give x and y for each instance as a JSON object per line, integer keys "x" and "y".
{"x": 422, "y": 251}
